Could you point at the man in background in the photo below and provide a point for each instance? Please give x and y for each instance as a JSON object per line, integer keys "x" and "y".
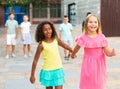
{"x": 65, "y": 33}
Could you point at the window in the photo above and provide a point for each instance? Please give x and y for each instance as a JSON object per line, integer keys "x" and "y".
{"x": 40, "y": 10}
{"x": 55, "y": 10}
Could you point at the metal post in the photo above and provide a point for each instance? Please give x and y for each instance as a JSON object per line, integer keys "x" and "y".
{"x": 48, "y": 10}
{"x": 30, "y": 10}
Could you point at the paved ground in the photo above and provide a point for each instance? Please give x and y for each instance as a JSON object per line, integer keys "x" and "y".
{"x": 14, "y": 73}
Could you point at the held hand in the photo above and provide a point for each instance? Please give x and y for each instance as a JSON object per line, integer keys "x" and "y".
{"x": 73, "y": 56}
{"x": 32, "y": 79}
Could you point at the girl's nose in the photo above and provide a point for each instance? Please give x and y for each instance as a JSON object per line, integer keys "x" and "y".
{"x": 48, "y": 30}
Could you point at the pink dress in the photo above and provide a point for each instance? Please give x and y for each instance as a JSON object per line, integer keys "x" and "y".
{"x": 93, "y": 71}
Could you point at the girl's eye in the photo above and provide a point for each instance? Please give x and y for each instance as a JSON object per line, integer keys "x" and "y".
{"x": 45, "y": 29}
{"x": 96, "y": 22}
{"x": 90, "y": 22}
{"x": 93, "y": 22}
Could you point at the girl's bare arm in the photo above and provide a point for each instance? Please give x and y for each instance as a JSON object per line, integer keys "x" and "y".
{"x": 37, "y": 55}
{"x": 109, "y": 52}
{"x": 62, "y": 44}
{"x": 75, "y": 50}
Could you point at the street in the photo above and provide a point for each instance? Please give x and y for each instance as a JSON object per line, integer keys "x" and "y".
{"x": 15, "y": 72}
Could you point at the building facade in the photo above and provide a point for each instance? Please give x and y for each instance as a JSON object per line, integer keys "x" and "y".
{"x": 54, "y": 10}
{"x": 1, "y": 16}
{"x": 110, "y": 17}
{"x": 37, "y": 11}
{"x": 77, "y": 9}
{"x": 50, "y": 10}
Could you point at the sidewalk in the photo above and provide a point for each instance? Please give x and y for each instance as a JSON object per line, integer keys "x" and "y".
{"x": 14, "y": 73}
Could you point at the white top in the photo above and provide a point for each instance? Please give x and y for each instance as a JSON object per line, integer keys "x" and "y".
{"x": 25, "y": 27}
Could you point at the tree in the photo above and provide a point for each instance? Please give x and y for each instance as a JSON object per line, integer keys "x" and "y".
{"x": 25, "y": 2}
{"x": 15, "y": 2}
{"x": 11, "y": 3}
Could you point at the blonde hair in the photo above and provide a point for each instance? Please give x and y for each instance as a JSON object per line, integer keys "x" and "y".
{"x": 85, "y": 28}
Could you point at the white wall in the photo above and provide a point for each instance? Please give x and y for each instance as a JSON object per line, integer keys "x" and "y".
{"x": 82, "y": 7}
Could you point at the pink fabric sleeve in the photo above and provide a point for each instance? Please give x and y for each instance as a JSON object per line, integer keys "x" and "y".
{"x": 104, "y": 42}
{"x": 84, "y": 41}
{"x": 79, "y": 41}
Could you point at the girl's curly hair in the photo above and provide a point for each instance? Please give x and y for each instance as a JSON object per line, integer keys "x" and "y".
{"x": 39, "y": 36}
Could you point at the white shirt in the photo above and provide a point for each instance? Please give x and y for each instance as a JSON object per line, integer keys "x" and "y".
{"x": 25, "y": 27}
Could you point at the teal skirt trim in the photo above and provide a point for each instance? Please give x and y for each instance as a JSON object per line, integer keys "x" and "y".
{"x": 52, "y": 77}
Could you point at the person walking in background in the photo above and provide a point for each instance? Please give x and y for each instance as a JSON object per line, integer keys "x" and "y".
{"x": 65, "y": 33}
{"x": 88, "y": 13}
{"x": 93, "y": 70}
{"x": 11, "y": 34}
{"x": 51, "y": 74}
{"x": 25, "y": 38}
